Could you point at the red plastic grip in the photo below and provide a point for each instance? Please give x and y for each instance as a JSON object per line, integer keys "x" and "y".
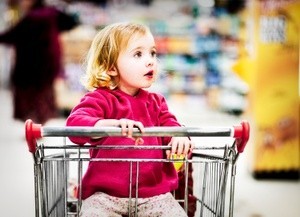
{"x": 242, "y": 133}
{"x": 32, "y": 133}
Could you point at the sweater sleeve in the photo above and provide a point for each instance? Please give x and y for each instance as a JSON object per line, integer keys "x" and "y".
{"x": 166, "y": 118}
{"x": 91, "y": 109}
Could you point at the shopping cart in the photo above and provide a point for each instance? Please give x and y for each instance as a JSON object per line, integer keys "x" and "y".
{"x": 58, "y": 168}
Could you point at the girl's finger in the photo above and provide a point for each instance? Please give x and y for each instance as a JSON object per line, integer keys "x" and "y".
{"x": 192, "y": 145}
{"x": 174, "y": 148}
{"x": 187, "y": 147}
{"x": 123, "y": 125}
{"x": 180, "y": 147}
{"x": 140, "y": 126}
{"x": 168, "y": 153}
{"x": 130, "y": 128}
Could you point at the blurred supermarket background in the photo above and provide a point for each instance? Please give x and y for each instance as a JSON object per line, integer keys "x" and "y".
{"x": 221, "y": 61}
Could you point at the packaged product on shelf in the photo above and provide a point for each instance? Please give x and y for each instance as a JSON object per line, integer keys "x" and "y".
{"x": 274, "y": 83}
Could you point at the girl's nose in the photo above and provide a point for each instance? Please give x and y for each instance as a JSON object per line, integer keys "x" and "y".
{"x": 150, "y": 61}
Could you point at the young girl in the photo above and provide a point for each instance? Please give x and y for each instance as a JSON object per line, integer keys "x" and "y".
{"x": 121, "y": 63}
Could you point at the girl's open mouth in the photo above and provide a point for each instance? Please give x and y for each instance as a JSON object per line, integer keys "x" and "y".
{"x": 149, "y": 74}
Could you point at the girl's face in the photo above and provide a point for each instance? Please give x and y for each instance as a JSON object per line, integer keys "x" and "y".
{"x": 137, "y": 64}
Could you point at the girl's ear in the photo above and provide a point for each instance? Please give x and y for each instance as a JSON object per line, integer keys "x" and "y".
{"x": 113, "y": 71}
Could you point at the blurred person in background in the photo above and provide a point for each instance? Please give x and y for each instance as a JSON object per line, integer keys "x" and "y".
{"x": 9, "y": 15}
{"x": 37, "y": 59}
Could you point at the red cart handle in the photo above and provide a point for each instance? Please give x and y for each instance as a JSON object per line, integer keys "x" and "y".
{"x": 242, "y": 133}
{"x": 32, "y": 133}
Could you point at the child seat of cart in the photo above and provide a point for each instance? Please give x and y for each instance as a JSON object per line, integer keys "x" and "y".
{"x": 178, "y": 193}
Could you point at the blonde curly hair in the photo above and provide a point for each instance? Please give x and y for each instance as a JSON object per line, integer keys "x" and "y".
{"x": 104, "y": 51}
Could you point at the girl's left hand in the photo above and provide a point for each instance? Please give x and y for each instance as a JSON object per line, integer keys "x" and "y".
{"x": 180, "y": 146}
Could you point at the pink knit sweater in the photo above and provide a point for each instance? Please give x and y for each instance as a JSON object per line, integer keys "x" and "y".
{"x": 113, "y": 177}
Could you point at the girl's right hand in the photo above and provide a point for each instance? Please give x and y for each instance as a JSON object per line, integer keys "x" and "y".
{"x": 127, "y": 126}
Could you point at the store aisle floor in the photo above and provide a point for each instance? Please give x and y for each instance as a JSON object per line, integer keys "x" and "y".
{"x": 252, "y": 198}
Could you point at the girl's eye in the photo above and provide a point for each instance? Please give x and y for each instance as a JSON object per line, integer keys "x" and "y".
{"x": 138, "y": 54}
{"x": 153, "y": 53}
